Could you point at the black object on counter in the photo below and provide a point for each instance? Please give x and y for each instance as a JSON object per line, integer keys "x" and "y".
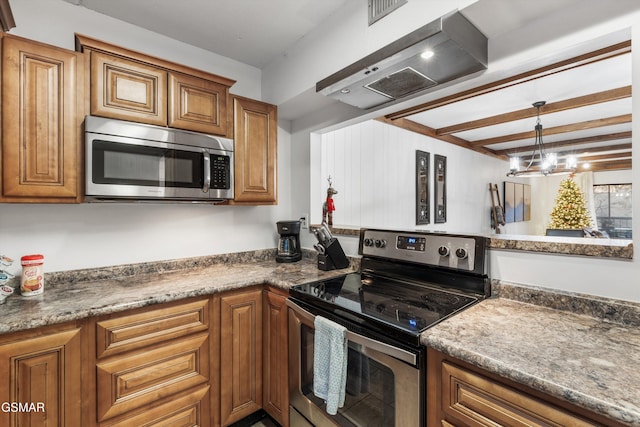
{"x": 333, "y": 257}
{"x": 289, "y": 243}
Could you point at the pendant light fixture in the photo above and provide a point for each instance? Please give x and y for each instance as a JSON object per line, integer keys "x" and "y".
{"x": 548, "y": 162}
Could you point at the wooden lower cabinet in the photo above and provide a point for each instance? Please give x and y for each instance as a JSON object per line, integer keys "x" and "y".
{"x": 41, "y": 371}
{"x": 206, "y": 361}
{"x": 462, "y": 395}
{"x": 240, "y": 354}
{"x": 275, "y": 390}
{"x": 152, "y": 366}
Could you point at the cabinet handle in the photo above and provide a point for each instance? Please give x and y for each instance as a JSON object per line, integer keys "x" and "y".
{"x": 207, "y": 172}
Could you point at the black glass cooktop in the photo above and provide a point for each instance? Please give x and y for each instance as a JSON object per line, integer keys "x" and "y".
{"x": 390, "y": 303}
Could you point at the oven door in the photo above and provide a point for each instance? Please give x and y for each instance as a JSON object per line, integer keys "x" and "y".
{"x": 384, "y": 383}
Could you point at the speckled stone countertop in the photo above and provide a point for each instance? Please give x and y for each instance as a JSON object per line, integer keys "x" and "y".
{"x": 80, "y": 294}
{"x": 580, "y": 356}
{"x": 603, "y": 248}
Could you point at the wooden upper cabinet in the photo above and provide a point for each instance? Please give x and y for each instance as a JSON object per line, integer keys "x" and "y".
{"x": 128, "y": 90}
{"x": 256, "y": 145}
{"x": 42, "y": 111}
{"x": 134, "y": 86}
{"x": 43, "y": 369}
{"x": 197, "y": 104}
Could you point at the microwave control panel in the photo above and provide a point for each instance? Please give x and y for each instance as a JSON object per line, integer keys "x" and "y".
{"x": 220, "y": 172}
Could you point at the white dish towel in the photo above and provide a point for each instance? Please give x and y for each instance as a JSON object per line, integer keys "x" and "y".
{"x": 330, "y": 363}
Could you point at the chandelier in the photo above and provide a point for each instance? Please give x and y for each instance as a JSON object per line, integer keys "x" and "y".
{"x": 548, "y": 162}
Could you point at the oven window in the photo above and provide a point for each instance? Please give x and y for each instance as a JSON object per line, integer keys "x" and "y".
{"x": 370, "y": 390}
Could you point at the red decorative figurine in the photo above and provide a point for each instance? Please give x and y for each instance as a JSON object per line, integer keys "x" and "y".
{"x": 328, "y": 207}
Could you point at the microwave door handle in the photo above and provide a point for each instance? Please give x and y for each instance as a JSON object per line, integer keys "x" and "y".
{"x": 207, "y": 172}
{"x": 398, "y": 353}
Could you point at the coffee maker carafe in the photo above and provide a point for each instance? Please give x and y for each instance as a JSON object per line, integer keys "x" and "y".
{"x": 289, "y": 242}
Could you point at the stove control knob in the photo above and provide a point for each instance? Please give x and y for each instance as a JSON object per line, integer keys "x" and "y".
{"x": 381, "y": 243}
{"x": 368, "y": 242}
{"x": 443, "y": 250}
{"x": 461, "y": 253}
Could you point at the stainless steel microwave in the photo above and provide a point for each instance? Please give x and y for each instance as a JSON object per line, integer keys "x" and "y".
{"x": 133, "y": 161}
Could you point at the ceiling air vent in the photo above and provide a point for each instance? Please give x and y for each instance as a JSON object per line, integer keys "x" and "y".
{"x": 378, "y": 9}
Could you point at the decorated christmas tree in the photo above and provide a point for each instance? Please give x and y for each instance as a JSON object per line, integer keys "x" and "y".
{"x": 570, "y": 211}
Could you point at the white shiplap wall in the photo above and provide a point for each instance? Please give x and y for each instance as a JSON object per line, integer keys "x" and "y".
{"x": 373, "y": 168}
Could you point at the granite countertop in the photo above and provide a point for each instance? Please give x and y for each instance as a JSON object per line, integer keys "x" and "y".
{"x": 80, "y": 294}
{"x": 583, "y": 359}
{"x": 603, "y": 248}
{"x": 581, "y": 349}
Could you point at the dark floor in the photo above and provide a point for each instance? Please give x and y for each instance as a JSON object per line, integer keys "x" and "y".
{"x": 259, "y": 419}
{"x": 266, "y": 422}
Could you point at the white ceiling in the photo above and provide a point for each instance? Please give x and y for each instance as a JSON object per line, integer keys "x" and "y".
{"x": 250, "y": 31}
{"x": 256, "y": 32}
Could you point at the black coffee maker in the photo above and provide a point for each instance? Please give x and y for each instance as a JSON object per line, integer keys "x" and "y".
{"x": 289, "y": 243}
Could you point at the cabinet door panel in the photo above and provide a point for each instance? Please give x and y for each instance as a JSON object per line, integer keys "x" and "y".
{"x": 131, "y": 382}
{"x": 478, "y": 401}
{"x": 128, "y": 90}
{"x": 197, "y": 104}
{"x": 185, "y": 411}
{"x": 256, "y": 140}
{"x": 275, "y": 358}
{"x": 44, "y": 373}
{"x": 240, "y": 360}
{"x": 40, "y": 121}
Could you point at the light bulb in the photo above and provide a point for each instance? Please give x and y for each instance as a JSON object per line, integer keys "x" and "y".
{"x": 427, "y": 54}
{"x": 514, "y": 163}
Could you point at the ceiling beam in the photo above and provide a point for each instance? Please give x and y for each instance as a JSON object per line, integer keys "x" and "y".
{"x": 586, "y": 151}
{"x": 577, "y": 61}
{"x": 427, "y": 131}
{"x": 589, "y": 124}
{"x": 600, "y": 166}
{"x": 568, "y": 143}
{"x": 607, "y": 166}
{"x": 601, "y": 157}
{"x": 526, "y": 113}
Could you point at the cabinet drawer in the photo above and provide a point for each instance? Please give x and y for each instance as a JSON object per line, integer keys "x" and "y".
{"x": 114, "y": 336}
{"x": 131, "y": 382}
{"x": 186, "y": 411}
{"x": 473, "y": 400}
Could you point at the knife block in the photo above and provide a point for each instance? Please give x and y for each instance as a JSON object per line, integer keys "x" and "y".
{"x": 333, "y": 257}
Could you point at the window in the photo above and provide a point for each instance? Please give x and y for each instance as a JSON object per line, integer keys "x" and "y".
{"x": 613, "y": 209}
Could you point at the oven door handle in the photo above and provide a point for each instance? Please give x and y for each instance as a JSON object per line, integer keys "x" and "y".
{"x": 387, "y": 349}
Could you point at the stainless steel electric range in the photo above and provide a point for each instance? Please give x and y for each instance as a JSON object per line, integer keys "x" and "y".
{"x": 408, "y": 282}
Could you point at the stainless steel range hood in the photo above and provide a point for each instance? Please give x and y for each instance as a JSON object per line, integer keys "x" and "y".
{"x": 398, "y": 69}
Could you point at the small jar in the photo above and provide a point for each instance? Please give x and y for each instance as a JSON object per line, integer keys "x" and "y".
{"x": 32, "y": 280}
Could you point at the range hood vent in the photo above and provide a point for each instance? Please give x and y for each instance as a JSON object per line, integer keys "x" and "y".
{"x": 398, "y": 70}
